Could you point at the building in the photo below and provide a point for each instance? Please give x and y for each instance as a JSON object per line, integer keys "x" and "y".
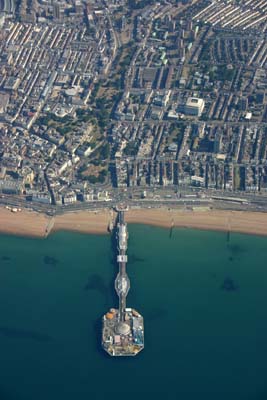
{"x": 194, "y": 106}
{"x": 41, "y": 197}
{"x": 11, "y": 186}
{"x": 70, "y": 197}
{"x": 88, "y": 195}
{"x": 57, "y": 13}
{"x": 4, "y": 100}
{"x": 197, "y": 180}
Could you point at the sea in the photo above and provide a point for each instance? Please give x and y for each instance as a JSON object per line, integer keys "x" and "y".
{"x": 203, "y": 296}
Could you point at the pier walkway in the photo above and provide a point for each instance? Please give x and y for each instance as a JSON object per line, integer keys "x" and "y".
{"x": 123, "y": 329}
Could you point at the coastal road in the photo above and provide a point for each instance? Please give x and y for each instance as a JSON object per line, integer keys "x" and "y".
{"x": 204, "y": 198}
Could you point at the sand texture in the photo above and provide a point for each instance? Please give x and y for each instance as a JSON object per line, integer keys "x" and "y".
{"x": 29, "y": 223}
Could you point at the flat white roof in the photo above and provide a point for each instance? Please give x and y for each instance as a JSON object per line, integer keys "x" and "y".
{"x": 194, "y": 102}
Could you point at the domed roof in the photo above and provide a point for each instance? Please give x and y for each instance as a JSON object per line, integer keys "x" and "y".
{"x": 122, "y": 328}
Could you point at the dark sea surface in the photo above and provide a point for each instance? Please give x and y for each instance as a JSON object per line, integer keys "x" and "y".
{"x": 203, "y": 296}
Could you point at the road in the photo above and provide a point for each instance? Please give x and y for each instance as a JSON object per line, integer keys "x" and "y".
{"x": 250, "y": 203}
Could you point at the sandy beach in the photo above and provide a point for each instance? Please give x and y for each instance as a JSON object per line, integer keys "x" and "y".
{"x": 24, "y": 223}
{"x": 218, "y": 220}
{"x": 84, "y": 222}
{"x": 29, "y": 223}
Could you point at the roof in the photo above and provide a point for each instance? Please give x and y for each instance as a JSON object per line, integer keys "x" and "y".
{"x": 194, "y": 102}
{"x": 122, "y": 328}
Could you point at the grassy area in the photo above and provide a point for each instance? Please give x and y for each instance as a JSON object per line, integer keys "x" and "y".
{"x": 236, "y": 178}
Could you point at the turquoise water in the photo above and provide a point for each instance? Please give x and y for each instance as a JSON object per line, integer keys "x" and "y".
{"x": 201, "y": 340}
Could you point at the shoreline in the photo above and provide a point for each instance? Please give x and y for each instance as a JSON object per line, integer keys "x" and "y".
{"x": 37, "y": 225}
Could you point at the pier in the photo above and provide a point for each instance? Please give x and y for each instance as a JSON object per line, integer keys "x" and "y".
{"x": 122, "y": 328}
{"x": 122, "y": 282}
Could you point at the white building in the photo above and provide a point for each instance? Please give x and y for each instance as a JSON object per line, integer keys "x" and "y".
{"x": 194, "y": 106}
{"x": 41, "y": 197}
{"x": 197, "y": 180}
{"x": 88, "y": 195}
{"x": 70, "y": 197}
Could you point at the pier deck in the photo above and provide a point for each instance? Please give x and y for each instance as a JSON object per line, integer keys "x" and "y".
{"x": 122, "y": 328}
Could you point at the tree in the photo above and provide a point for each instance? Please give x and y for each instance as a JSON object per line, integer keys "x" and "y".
{"x": 105, "y": 151}
{"x": 131, "y": 149}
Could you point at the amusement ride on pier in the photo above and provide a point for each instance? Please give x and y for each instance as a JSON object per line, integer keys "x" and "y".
{"x": 122, "y": 328}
